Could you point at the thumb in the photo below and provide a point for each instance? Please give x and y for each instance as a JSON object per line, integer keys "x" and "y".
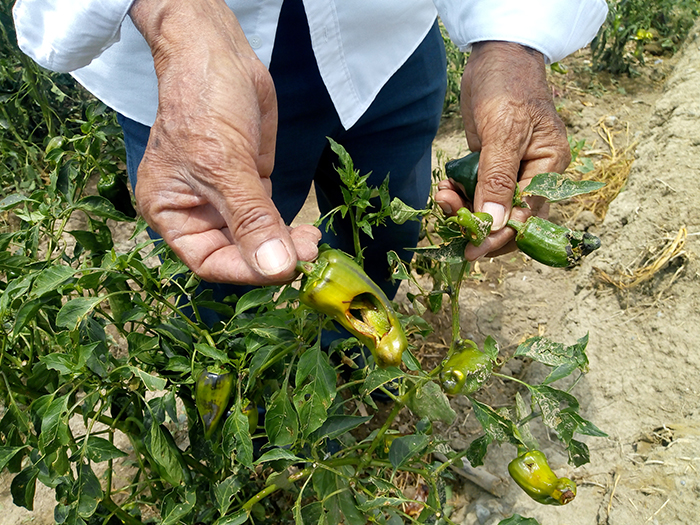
{"x": 259, "y": 232}
{"x": 498, "y": 173}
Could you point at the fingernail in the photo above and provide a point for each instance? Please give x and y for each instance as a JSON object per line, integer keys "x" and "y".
{"x": 498, "y": 212}
{"x": 445, "y": 207}
{"x": 272, "y": 257}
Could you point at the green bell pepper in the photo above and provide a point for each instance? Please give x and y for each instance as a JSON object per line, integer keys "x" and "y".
{"x": 552, "y": 244}
{"x": 531, "y": 471}
{"x": 212, "y": 394}
{"x": 465, "y": 371}
{"x": 113, "y": 187}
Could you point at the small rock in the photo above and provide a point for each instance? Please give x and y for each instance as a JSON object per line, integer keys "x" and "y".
{"x": 482, "y": 513}
{"x": 610, "y": 121}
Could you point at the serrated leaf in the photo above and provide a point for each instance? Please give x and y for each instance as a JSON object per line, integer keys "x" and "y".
{"x": 236, "y": 437}
{"x": 405, "y": 448}
{"x": 556, "y": 187}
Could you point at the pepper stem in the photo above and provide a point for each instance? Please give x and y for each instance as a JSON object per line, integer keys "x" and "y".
{"x": 305, "y": 267}
{"x": 516, "y": 225}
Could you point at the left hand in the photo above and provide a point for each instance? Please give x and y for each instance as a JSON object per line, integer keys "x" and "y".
{"x": 509, "y": 116}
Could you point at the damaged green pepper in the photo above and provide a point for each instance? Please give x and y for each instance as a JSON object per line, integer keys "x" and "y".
{"x": 531, "y": 471}
{"x": 113, "y": 187}
{"x": 465, "y": 371}
{"x": 477, "y": 224}
{"x": 552, "y": 244}
{"x": 212, "y": 394}
{"x": 338, "y": 287}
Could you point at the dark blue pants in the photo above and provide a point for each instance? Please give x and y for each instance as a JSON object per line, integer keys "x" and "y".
{"x": 393, "y": 137}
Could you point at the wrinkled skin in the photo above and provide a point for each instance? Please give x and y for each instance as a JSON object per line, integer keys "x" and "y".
{"x": 204, "y": 182}
{"x": 509, "y": 116}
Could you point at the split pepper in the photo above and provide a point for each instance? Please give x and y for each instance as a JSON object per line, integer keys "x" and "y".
{"x": 552, "y": 244}
{"x": 532, "y": 473}
{"x": 338, "y": 287}
{"x": 212, "y": 394}
{"x": 465, "y": 371}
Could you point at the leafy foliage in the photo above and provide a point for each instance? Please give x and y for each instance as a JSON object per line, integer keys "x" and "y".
{"x": 631, "y": 24}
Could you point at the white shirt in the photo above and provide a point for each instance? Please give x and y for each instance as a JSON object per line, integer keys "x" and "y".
{"x": 358, "y": 44}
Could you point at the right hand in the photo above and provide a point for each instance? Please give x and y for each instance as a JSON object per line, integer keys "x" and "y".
{"x": 204, "y": 181}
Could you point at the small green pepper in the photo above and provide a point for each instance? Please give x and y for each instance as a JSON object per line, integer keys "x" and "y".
{"x": 532, "y": 473}
{"x": 464, "y": 173}
{"x": 552, "y": 244}
{"x": 338, "y": 287}
{"x": 477, "y": 224}
{"x": 465, "y": 371}
{"x": 113, "y": 187}
{"x": 212, "y": 394}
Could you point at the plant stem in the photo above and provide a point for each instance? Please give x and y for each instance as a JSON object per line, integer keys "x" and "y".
{"x": 120, "y": 513}
{"x": 454, "y": 307}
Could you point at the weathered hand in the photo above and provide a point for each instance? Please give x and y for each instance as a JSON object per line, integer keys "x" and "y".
{"x": 204, "y": 182}
{"x": 509, "y": 116}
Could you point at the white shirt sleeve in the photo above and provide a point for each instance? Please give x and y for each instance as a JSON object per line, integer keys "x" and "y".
{"x": 64, "y": 35}
{"x": 555, "y": 28}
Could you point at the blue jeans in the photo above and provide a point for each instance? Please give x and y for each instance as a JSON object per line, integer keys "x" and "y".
{"x": 393, "y": 137}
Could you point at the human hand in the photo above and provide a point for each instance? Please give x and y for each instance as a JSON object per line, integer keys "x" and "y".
{"x": 204, "y": 181}
{"x": 509, "y": 116}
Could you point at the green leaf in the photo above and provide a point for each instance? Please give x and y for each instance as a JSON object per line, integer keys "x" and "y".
{"x": 255, "y": 298}
{"x": 176, "y": 506}
{"x": 224, "y": 492}
{"x": 399, "y": 269}
{"x": 236, "y": 437}
{"x": 52, "y": 419}
{"x": 314, "y": 398}
{"x": 165, "y": 457}
{"x": 517, "y": 519}
{"x": 451, "y": 252}
{"x": 6, "y": 455}
{"x": 477, "y": 450}
{"x": 578, "y": 453}
{"x": 564, "y": 358}
{"x": 491, "y": 348}
{"x": 431, "y": 402}
{"x": 74, "y": 311}
{"x": 499, "y": 428}
{"x": 334, "y": 490}
{"x": 100, "y": 449}
{"x": 379, "y": 377}
{"x": 237, "y": 518}
{"x": 277, "y": 454}
{"x": 213, "y": 353}
{"x": 151, "y": 382}
{"x": 556, "y": 187}
{"x": 401, "y": 212}
{"x": 89, "y": 490}
{"x": 404, "y": 448}
{"x": 97, "y": 206}
{"x": 281, "y": 424}
{"x": 59, "y": 362}
{"x": 50, "y": 279}
{"x": 337, "y": 425}
{"x": 381, "y": 503}
{"x": 23, "y": 487}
